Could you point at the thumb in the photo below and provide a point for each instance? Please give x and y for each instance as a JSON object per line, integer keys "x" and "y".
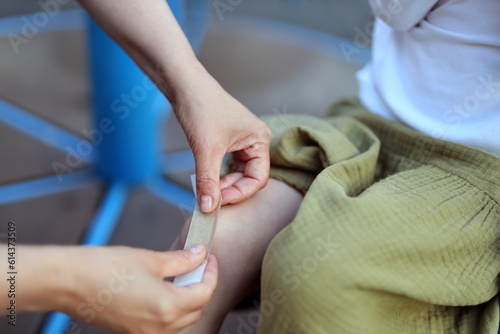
{"x": 208, "y": 166}
{"x": 179, "y": 262}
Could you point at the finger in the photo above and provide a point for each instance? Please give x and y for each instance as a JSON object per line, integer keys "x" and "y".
{"x": 198, "y": 295}
{"x": 211, "y": 271}
{"x": 208, "y": 165}
{"x": 254, "y": 178}
{"x": 174, "y": 263}
{"x": 184, "y": 321}
{"x": 230, "y": 179}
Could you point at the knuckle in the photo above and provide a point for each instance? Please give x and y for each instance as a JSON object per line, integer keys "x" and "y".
{"x": 168, "y": 318}
{"x": 196, "y": 316}
{"x": 164, "y": 312}
{"x": 205, "y": 295}
{"x": 185, "y": 256}
{"x": 266, "y": 132}
{"x": 205, "y": 179}
{"x": 263, "y": 184}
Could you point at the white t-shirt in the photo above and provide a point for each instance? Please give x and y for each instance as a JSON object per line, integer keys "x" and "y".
{"x": 436, "y": 68}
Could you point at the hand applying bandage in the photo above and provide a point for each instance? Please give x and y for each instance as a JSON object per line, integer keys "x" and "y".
{"x": 215, "y": 123}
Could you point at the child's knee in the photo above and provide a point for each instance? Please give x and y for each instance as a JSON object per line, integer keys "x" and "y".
{"x": 223, "y": 233}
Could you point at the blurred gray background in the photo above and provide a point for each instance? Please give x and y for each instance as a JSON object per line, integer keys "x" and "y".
{"x": 48, "y": 77}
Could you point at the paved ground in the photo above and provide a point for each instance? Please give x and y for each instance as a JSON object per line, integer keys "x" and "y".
{"x": 48, "y": 77}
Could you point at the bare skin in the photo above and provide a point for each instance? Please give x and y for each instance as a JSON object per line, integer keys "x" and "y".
{"x": 62, "y": 278}
{"x": 119, "y": 288}
{"x": 214, "y": 122}
{"x": 243, "y": 234}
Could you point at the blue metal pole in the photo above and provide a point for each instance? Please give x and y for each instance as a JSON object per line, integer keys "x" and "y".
{"x": 41, "y": 129}
{"x": 126, "y": 122}
{"x": 99, "y": 233}
{"x": 24, "y": 190}
{"x": 64, "y": 20}
{"x": 197, "y": 21}
{"x": 178, "y": 7}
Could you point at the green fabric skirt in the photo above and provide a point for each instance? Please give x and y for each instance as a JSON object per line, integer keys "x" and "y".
{"x": 398, "y": 232}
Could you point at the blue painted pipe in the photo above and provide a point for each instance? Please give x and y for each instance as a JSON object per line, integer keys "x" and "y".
{"x": 24, "y": 190}
{"x": 127, "y": 105}
{"x": 179, "y": 7}
{"x": 99, "y": 233}
{"x": 126, "y": 130}
{"x": 77, "y": 149}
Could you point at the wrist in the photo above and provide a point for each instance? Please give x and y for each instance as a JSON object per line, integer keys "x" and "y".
{"x": 47, "y": 278}
{"x": 186, "y": 84}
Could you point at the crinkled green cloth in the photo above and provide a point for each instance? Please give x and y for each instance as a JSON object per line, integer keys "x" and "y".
{"x": 398, "y": 232}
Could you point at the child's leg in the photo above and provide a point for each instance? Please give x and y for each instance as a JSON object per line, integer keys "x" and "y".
{"x": 243, "y": 233}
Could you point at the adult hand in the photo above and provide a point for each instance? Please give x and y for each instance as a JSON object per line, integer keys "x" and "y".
{"x": 119, "y": 288}
{"x": 215, "y": 123}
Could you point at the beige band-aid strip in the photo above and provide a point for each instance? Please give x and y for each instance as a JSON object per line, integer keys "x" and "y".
{"x": 201, "y": 232}
{"x": 202, "y": 228}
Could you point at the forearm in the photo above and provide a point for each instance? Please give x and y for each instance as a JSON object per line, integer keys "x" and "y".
{"x": 119, "y": 288}
{"x": 148, "y": 31}
{"x": 44, "y": 280}
{"x": 214, "y": 122}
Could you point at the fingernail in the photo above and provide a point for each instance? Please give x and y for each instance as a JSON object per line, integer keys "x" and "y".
{"x": 206, "y": 203}
{"x": 196, "y": 249}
